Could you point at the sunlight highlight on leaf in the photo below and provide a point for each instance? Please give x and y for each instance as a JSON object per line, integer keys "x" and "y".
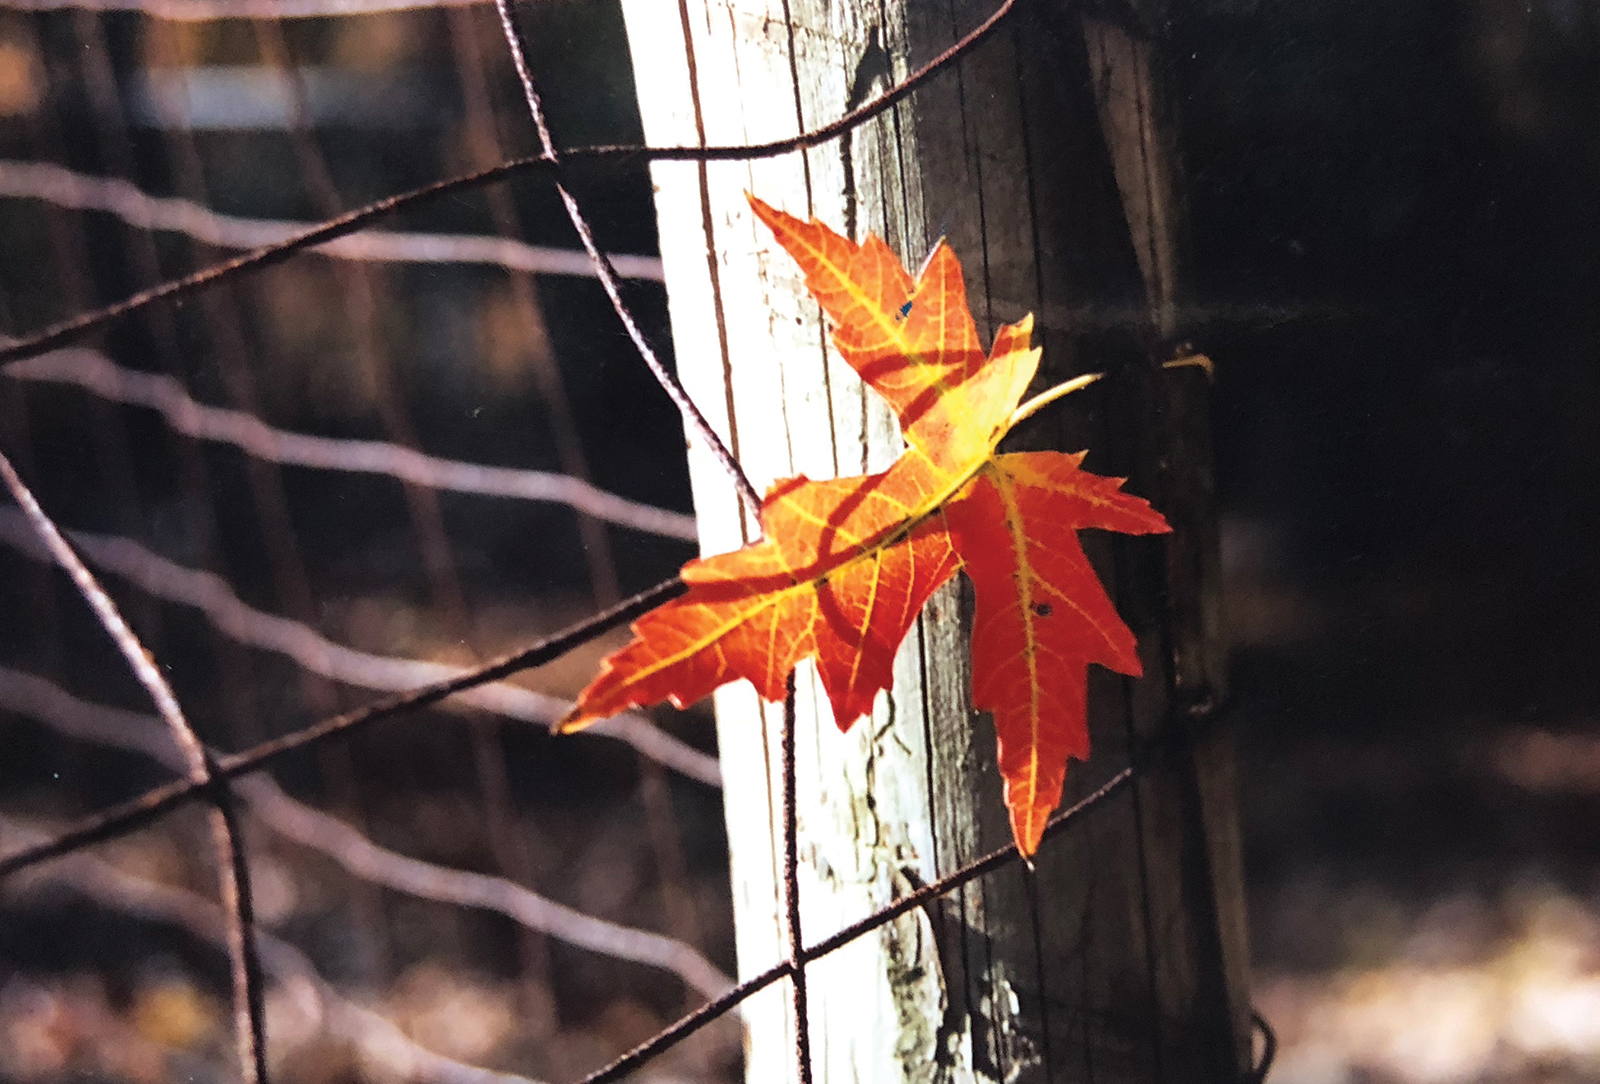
{"x": 844, "y": 566}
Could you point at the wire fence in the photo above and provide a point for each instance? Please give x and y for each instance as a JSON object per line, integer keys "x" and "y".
{"x": 82, "y": 192}
{"x": 94, "y": 372}
{"x": 217, "y": 779}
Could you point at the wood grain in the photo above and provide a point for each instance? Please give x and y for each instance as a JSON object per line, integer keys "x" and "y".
{"x": 1121, "y": 957}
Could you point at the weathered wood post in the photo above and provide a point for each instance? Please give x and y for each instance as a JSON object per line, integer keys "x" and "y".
{"x": 1046, "y": 159}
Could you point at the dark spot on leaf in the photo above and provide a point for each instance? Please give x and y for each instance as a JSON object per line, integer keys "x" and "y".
{"x": 1042, "y": 609}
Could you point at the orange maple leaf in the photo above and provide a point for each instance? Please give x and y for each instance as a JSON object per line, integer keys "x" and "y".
{"x": 844, "y": 566}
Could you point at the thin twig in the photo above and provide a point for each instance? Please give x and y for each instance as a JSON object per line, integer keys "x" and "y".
{"x": 614, "y": 155}
{"x": 693, "y": 1022}
{"x": 76, "y": 191}
{"x": 129, "y": 816}
{"x": 94, "y": 372}
{"x": 214, "y": 597}
{"x": 232, "y": 869}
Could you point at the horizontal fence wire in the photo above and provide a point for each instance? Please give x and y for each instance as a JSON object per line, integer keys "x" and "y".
{"x": 131, "y": 731}
{"x": 212, "y": 596}
{"x": 380, "y": 1041}
{"x": 922, "y": 897}
{"x": 556, "y": 166}
{"x": 71, "y": 190}
{"x": 96, "y": 373}
{"x": 608, "y": 156}
{"x": 233, "y": 869}
{"x": 130, "y": 816}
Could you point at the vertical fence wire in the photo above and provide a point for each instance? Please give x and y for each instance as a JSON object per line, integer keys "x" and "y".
{"x": 692, "y": 416}
{"x": 662, "y": 833}
{"x": 233, "y": 871}
{"x": 791, "y": 893}
{"x": 366, "y": 284}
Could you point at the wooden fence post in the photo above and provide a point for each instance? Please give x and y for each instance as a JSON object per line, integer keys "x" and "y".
{"x": 1122, "y": 958}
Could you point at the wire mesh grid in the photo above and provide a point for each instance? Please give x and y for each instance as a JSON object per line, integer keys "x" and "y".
{"x": 216, "y": 779}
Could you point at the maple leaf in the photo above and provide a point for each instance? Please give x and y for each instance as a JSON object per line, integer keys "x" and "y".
{"x": 844, "y": 566}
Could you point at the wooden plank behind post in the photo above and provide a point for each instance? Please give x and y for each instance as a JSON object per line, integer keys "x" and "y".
{"x": 1083, "y": 967}
{"x": 1137, "y": 117}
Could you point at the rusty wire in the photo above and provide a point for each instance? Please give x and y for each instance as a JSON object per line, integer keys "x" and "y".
{"x": 609, "y": 155}
{"x": 923, "y": 896}
{"x": 791, "y": 893}
{"x": 121, "y": 819}
{"x": 233, "y": 869}
{"x": 607, "y": 274}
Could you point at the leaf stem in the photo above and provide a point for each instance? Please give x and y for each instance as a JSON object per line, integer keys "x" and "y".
{"x": 1078, "y": 383}
{"x": 1045, "y": 398}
